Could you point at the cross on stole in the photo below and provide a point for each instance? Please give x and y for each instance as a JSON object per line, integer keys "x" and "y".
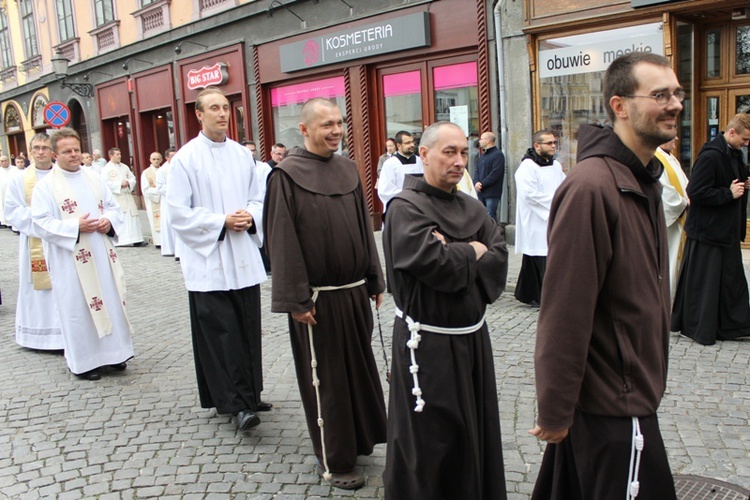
{"x": 69, "y": 205}
{"x": 83, "y": 255}
{"x": 96, "y": 304}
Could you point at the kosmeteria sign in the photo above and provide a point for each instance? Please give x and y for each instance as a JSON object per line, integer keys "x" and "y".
{"x": 391, "y": 35}
{"x": 596, "y": 56}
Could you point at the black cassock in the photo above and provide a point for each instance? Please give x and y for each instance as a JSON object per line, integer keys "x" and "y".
{"x": 227, "y": 348}
{"x": 318, "y": 233}
{"x": 452, "y": 448}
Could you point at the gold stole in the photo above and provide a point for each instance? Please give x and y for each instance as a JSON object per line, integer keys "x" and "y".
{"x": 39, "y": 274}
{"x": 675, "y": 182}
{"x": 155, "y": 207}
{"x": 83, "y": 257}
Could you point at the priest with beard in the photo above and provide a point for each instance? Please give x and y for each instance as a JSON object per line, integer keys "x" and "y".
{"x": 537, "y": 178}
{"x": 447, "y": 260}
{"x": 325, "y": 267}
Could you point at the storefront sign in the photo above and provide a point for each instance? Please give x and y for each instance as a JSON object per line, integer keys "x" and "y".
{"x": 392, "y": 35}
{"x": 595, "y": 57}
{"x": 207, "y": 75}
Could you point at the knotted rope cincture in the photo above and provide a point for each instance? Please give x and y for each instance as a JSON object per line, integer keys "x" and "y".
{"x": 636, "y": 449}
{"x": 314, "y": 364}
{"x": 413, "y": 344}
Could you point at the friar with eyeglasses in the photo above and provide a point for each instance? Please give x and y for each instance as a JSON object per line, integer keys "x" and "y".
{"x": 537, "y": 178}
{"x": 603, "y": 331}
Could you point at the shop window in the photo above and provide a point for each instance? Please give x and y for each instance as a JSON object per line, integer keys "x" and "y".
{"x": 287, "y": 104}
{"x": 571, "y": 71}
{"x": 685, "y": 75}
{"x": 37, "y": 110}
{"x": 403, "y": 103}
{"x": 456, "y": 96}
{"x": 743, "y": 50}
{"x": 713, "y": 53}
{"x": 12, "y": 119}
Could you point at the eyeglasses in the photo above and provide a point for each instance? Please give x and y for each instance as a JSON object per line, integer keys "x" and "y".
{"x": 663, "y": 97}
{"x": 41, "y": 148}
{"x": 549, "y": 143}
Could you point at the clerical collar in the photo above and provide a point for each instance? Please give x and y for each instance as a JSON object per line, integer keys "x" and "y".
{"x": 211, "y": 140}
{"x": 404, "y": 160}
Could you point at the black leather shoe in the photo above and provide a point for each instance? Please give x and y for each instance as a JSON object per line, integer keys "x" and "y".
{"x": 119, "y": 367}
{"x": 263, "y": 406}
{"x": 247, "y": 419}
{"x": 91, "y": 375}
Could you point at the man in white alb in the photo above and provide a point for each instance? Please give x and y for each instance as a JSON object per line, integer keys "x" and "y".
{"x": 403, "y": 162}
{"x": 6, "y": 172}
{"x": 76, "y": 215}
{"x": 215, "y": 202}
{"x": 168, "y": 241}
{"x": 37, "y": 322}
{"x": 152, "y": 198}
{"x": 121, "y": 182}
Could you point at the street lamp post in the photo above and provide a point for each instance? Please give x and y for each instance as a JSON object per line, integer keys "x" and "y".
{"x": 60, "y": 65}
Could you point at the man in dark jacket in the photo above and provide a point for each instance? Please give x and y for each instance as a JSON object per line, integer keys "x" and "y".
{"x": 603, "y": 332}
{"x": 490, "y": 174}
{"x": 712, "y": 297}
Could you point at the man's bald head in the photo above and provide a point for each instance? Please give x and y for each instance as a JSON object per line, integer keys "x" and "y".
{"x": 310, "y": 109}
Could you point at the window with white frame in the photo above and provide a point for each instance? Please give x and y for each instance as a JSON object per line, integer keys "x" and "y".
{"x": 65, "y": 21}
{"x": 26, "y": 9}
{"x": 6, "y": 54}
{"x": 104, "y": 11}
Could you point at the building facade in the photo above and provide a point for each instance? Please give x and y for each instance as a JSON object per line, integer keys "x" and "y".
{"x": 136, "y": 67}
{"x": 571, "y": 43}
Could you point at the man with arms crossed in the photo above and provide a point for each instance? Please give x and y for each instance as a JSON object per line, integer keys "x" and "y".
{"x": 447, "y": 261}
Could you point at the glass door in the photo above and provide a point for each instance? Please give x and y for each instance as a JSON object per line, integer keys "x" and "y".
{"x": 402, "y": 97}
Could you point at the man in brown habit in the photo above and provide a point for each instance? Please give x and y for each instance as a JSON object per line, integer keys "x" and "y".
{"x": 325, "y": 267}
{"x": 447, "y": 260}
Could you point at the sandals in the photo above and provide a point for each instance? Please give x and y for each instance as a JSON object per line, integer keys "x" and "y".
{"x": 351, "y": 480}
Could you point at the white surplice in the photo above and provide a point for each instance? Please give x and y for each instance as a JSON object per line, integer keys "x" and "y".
{"x": 391, "y": 180}
{"x": 113, "y": 174}
{"x": 535, "y": 187}
{"x": 207, "y": 181}
{"x": 84, "y": 350}
{"x": 674, "y": 205}
{"x": 6, "y": 174}
{"x": 37, "y": 321}
{"x": 168, "y": 242}
{"x": 151, "y": 196}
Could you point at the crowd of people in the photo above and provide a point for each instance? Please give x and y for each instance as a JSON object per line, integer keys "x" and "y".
{"x": 625, "y": 234}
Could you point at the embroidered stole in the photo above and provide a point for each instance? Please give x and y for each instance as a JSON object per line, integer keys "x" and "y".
{"x": 84, "y": 259}
{"x": 155, "y": 206}
{"x": 39, "y": 275}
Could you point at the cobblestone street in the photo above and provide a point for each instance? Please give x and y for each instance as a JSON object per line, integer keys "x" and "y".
{"x": 142, "y": 433}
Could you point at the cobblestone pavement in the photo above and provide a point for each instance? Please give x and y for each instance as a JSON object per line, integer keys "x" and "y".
{"x": 142, "y": 433}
